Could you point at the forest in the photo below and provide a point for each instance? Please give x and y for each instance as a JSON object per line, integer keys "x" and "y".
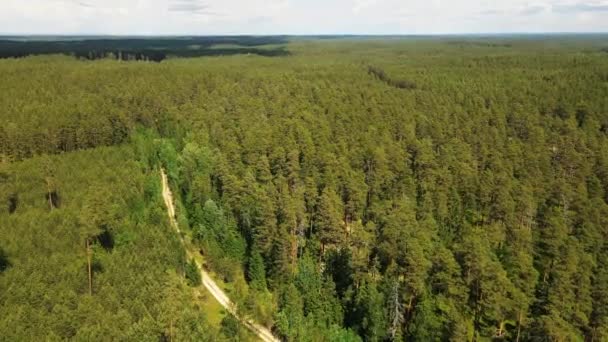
{"x": 377, "y": 189}
{"x": 153, "y": 49}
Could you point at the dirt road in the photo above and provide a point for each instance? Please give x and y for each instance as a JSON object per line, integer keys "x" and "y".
{"x": 262, "y": 332}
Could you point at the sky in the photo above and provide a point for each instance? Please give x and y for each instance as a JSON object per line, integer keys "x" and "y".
{"x": 300, "y": 17}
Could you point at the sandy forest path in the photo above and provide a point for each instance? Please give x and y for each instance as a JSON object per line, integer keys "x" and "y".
{"x": 262, "y": 332}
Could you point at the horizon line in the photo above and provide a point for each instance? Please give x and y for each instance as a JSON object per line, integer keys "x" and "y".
{"x": 306, "y": 34}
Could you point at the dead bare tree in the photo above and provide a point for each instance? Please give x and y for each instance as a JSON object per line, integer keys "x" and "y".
{"x": 396, "y": 311}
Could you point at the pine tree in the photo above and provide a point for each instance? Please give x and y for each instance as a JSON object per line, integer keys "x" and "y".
{"x": 256, "y": 270}
{"x": 193, "y": 275}
{"x": 329, "y": 218}
{"x": 369, "y": 312}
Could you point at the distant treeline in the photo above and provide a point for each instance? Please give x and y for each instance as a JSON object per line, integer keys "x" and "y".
{"x": 381, "y": 75}
{"x": 149, "y": 49}
{"x": 480, "y": 44}
{"x": 157, "y": 56}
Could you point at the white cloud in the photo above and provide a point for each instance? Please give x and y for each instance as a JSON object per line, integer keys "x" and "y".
{"x": 299, "y": 16}
{"x": 363, "y": 4}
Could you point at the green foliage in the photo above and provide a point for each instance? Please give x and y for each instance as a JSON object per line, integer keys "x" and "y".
{"x": 219, "y": 238}
{"x": 290, "y": 318}
{"x": 230, "y": 327}
{"x": 368, "y": 312}
{"x": 318, "y": 293}
{"x": 261, "y": 306}
{"x": 167, "y": 155}
{"x": 135, "y": 295}
{"x": 256, "y": 271}
{"x": 329, "y": 224}
{"x": 338, "y": 334}
{"x": 193, "y": 275}
{"x": 195, "y": 168}
{"x": 471, "y": 206}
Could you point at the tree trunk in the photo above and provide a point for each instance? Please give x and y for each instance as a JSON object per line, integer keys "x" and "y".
{"x": 476, "y": 319}
{"x": 499, "y": 332}
{"x": 294, "y": 246}
{"x": 89, "y": 257}
{"x": 409, "y": 310}
{"x": 397, "y": 317}
{"x": 49, "y": 194}
{"x": 518, "y": 327}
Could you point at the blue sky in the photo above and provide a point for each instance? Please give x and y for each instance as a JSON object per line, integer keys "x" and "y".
{"x": 209, "y": 17}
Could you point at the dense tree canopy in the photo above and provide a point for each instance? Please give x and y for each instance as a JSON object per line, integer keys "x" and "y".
{"x": 470, "y": 203}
